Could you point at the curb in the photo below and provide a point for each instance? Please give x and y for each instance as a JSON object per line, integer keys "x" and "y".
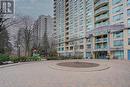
{"x": 19, "y": 63}
{"x": 103, "y": 66}
{"x": 9, "y": 65}
{"x": 14, "y": 64}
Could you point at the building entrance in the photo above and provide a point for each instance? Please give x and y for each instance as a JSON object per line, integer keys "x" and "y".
{"x": 101, "y": 55}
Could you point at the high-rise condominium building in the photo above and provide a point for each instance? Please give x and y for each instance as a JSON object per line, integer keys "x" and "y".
{"x": 41, "y": 24}
{"x": 93, "y": 28}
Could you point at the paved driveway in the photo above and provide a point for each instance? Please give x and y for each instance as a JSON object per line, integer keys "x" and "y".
{"x": 39, "y": 74}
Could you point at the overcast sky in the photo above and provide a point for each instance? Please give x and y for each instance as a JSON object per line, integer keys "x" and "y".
{"x": 34, "y": 8}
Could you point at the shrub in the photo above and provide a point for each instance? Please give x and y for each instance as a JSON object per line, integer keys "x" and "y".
{"x": 53, "y": 58}
{"x": 69, "y": 57}
{"x": 36, "y": 56}
{"x": 14, "y": 59}
{"x": 23, "y": 59}
{"x": 4, "y": 58}
{"x": 34, "y": 59}
{"x": 76, "y": 57}
{"x": 63, "y": 57}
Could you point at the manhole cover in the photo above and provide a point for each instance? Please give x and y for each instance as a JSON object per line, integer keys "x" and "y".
{"x": 78, "y": 64}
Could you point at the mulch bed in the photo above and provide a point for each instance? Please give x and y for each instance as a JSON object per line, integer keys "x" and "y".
{"x": 78, "y": 64}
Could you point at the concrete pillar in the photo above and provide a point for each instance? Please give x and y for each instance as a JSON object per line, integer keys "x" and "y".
{"x": 84, "y": 55}
{"x": 126, "y": 46}
{"x": 125, "y": 54}
{"x": 93, "y": 55}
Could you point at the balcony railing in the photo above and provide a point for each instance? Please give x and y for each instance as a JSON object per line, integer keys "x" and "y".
{"x": 105, "y": 39}
{"x": 101, "y": 47}
{"x": 102, "y": 40}
{"x": 102, "y": 24}
{"x": 101, "y": 9}
{"x": 102, "y": 17}
{"x": 100, "y": 2}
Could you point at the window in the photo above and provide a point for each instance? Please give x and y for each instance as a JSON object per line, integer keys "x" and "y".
{"x": 128, "y": 22}
{"x": 71, "y": 48}
{"x": 81, "y": 41}
{"x": 81, "y": 47}
{"x": 128, "y": 12}
{"x": 89, "y": 39}
{"x": 128, "y": 31}
{"x": 118, "y": 17}
{"x": 116, "y": 1}
{"x": 62, "y": 49}
{"x": 119, "y": 54}
{"x": 118, "y": 34}
{"x": 117, "y": 9}
{"x": 118, "y": 43}
{"x": 88, "y": 55}
{"x": 128, "y": 41}
{"x": 88, "y": 46}
{"x": 128, "y": 2}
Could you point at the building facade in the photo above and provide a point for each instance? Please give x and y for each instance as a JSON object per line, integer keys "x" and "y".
{"x": 70, "y": 26}
{"x": 93, "y": 28}
{"x": 41, "y": 24}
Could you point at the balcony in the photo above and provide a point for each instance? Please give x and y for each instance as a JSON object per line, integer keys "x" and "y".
{"x": 101, "y": 3}
{"x": 102, "y": 24}
{"x": 101, "y": 40}
{"x": 67, "y": 39}
{"x": 102, "y": 17}
{"x": 67, "y": 33}
{"x": 102, "y": 10}
{"x": 105, "y": 39}
{"x": 67, "y": 44}
{"x": 101, "y": 48}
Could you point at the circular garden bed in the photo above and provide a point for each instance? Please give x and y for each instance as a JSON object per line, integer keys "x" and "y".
{"x": 78, "y": 64}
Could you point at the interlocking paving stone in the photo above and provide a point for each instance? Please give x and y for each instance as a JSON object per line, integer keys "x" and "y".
{"x": 39, "y": 74}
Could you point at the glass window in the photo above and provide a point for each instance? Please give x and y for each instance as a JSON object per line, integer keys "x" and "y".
{"x": 128, "y": 2}
{"x": 117, "y": 9}
{"x": 89, "y": 39}
{"x": 116, "y": 1}
{"x": 128, "y": 22}
{"x": 118, "y": 34}
{"x": 81, "y": 47}
{"x": 81, "y": 41}
{"x": 88, "y": 55}
{"x": 88, "y": 46}
{"x": 128, "y": 41}
{"x": 128, "y": 31}
{"x": 62, "y": 49}
{"x": 117, "y": 17}
{"x": 128, "y": 12}
{"x": 118, "y": 43}
{"x": 119, "y": 54}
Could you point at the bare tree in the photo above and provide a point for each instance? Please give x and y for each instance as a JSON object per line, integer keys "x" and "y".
{"x": 53, "y": 50}
{"x": 5, "y": 24}
{"x": 73, "y": 40}
{"x": 5, "y": 45}
{"x": 35, "y": 35}
{"x": 25, "y": 34}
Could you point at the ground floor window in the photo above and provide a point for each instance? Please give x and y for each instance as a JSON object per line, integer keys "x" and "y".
{"x": 118, "y": 54}
{"x": 101, "y": 54}
{"x": 128, "y": 41}
{"x": 88, "y": 55}
{"x": 118, "y": 43}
